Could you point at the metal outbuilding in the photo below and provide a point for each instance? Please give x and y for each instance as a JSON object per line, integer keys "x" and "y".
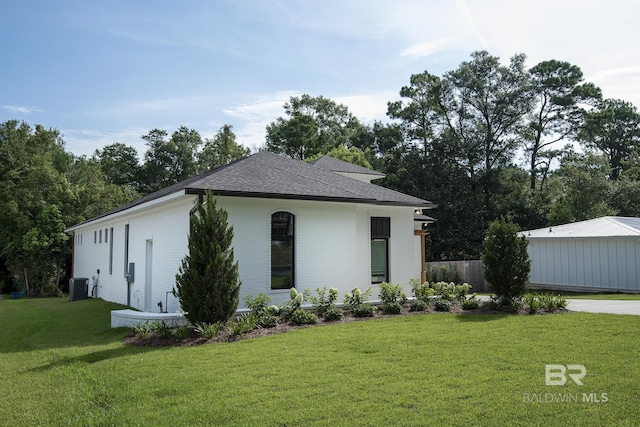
{"x": 601, "y": 254}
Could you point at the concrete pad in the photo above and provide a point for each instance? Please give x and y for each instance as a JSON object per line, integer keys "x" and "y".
{"x": 604, "y": 306}
{"x": 128, "y": 318}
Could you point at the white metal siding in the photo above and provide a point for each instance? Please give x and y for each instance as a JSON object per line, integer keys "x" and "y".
{"x": 598, "y": 263}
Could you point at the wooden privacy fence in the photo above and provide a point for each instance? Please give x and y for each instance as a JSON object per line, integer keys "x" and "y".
{"x": 470, "y": 272}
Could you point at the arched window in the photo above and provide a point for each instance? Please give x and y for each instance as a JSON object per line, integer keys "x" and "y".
{"x": 282, "y": 250}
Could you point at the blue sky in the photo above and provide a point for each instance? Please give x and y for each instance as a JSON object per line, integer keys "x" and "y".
{"x": 109, "y": 71}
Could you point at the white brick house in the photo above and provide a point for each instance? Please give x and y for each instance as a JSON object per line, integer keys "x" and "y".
{"x": 306, "y": 225}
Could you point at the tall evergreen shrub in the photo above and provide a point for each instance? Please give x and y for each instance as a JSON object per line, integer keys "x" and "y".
{"x": 207, "y": 284}
{"x": 506, "y": 261}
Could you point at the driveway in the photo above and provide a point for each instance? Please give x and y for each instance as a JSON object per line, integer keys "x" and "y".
{"x": 601, "y": 306}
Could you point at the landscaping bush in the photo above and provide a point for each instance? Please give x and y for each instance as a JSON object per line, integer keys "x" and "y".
{"x": 208, "y": 330}
{"x": 421, "y": 291}
{"x": 243, "y": 324}
{"x": 419, "y": 305}
{"x": 532, "y": 302}
{"x": 506, "y": 261}
{"x": 207, "y": 284}
{"x": 364, "y": 310}
{"x": 303, "y": 317}
{"x": 356, "y": 297}
{"x": 333, "y": 314}
{"x": 471, "y": 303}
{"x": 180, "y": 332}
{"x": 142, "y": 330}
{"x": 443, "y": 304}
{"x": 264, "y": 313}
{"x": 392, "y": 298}
{"x": 323, "y": 301}
{"x": 287, "y": 308}
{"x": 161, "y": 329}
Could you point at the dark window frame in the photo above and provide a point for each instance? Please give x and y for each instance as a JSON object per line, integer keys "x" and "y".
{"x": 283, "y": 246}
{"x": 380, "y": 232}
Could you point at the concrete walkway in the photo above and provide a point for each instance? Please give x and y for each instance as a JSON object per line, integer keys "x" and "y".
{"x": 602, "y": 306}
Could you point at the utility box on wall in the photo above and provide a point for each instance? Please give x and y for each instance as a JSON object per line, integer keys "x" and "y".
{"x": 78, "y": 288}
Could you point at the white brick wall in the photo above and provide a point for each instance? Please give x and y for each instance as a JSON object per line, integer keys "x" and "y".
{"x": 332, "y": 247}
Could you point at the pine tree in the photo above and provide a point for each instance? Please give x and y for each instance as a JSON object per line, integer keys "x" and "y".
{"x": 207, "y": 284}
{"x": 506, "y": 261}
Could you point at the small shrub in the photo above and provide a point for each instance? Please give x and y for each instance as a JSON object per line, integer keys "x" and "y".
{"x": 181, "y": 332}
{"x": 419, "y": 305}
{"x": 356, "y": 298}
{"x": 303, "y": 317}
{"x": 266, "y": 315}
{"x": 161, "y": 329}
{"x": 267, "y": 321}
{"x": 243, "y": 324}
{"x": 421, "y": 291}
{"x": 364, "y": 310}
{"x": 333, "y": 314}
{"x": 532, "y": 302}
{"x": 443, "y": 304}
{"x": 287, "y": 308}
{"x": 461, "y": 291}
{"x": 392, "y": 308}
{"x": 444, "y": 290}
{"x": 208, "y": 330}
{"x": 392, "y": 298}
{"x": 323, "y": 302}
{"x": 471, "y": 303}
{"x": 142, "y": 330}
{"x": 553, "y": 302}
{"x": 258, "y": 304}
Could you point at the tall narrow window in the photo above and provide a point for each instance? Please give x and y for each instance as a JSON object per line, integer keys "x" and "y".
{"x": 282, "y": 250}
{"x": 126, "y": 249}
{"x": 100, "y": 236}
{"x": 380, "y": 233}
{"x": 110, "y": 250}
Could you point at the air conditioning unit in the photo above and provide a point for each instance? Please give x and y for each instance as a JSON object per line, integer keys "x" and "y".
{"x": 78, "y": 288}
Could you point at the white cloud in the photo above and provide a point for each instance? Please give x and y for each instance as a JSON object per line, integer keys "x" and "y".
{"x": 85, "y": 141}
{"x": 21, "y": 109}
{"x": 252, "y": 118}
{"x": 425, "y": 48}
{"x": 368, "y": 107}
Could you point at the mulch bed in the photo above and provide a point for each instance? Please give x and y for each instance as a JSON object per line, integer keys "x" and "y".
{"x": 192, "y": 338}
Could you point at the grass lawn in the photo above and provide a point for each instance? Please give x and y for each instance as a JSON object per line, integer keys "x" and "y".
{"x": 60, "y": 364}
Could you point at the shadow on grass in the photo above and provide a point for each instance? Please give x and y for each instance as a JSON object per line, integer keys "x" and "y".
{"x": 480, "y": 318}
{"x": 94, "y": 357}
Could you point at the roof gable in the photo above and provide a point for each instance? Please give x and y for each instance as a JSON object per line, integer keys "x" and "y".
{"x": 345, "y": 168}
{"x": 607, "y": 226}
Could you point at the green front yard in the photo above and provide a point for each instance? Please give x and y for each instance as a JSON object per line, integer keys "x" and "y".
{"x": 60, "y": 364}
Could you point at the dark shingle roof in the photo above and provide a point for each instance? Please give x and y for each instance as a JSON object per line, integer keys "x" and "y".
{"x": 336, "y": 165}
{"x": 270, "y": 175}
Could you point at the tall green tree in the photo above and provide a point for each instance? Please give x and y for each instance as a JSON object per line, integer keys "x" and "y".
{"x": 560, "y": 92}
{"x": 221, "y": 150}
{"x": 506, "y": 260}
{"x": 484, "y": 104}
{"x": 312, "y": 125}
{"x": 614, "y": 129}
{"x": 208, "y": 285}
{"x": 119, "y": 164}
{"x": 169, "y": 161}
{"x": 33, "y": 191}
